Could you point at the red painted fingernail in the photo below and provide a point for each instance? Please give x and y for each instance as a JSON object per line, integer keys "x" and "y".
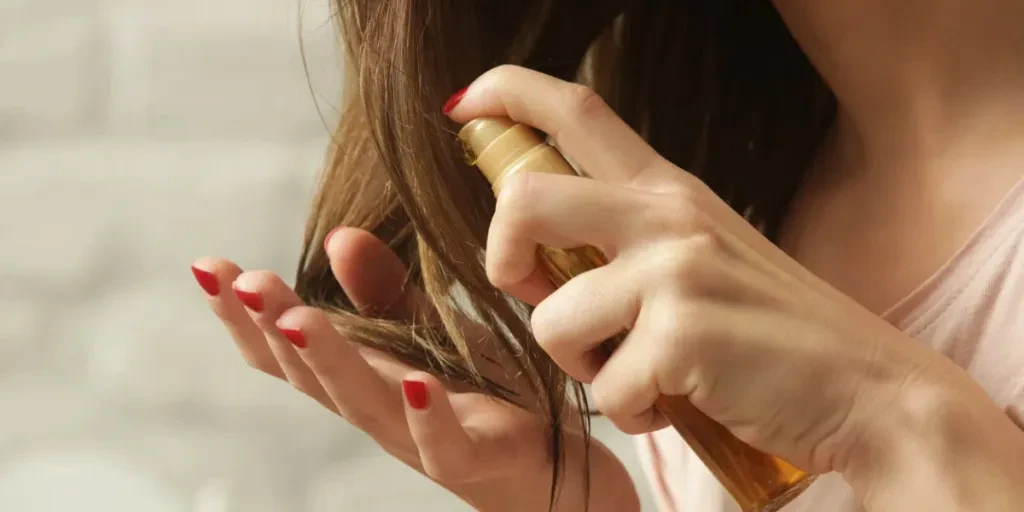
{"x": 415, "y": 393}
{"x": 207, "y": 281}
{"x": 454, "y": 101}
{"x": 294, "y": 335}
{"x": 251, "y": 300}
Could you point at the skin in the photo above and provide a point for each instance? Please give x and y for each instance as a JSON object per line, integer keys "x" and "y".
{"x": 931, "y": 95}
{"x": 488, "y": 453}
{"x": 719, "y": 314}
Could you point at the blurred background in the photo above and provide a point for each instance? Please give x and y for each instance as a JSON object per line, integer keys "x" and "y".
{"x": 136, "y": 136}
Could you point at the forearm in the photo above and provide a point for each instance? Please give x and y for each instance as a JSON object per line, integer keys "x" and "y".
{"x": 945, "y": 450}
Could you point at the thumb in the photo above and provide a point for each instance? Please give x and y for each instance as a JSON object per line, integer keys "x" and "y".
{"x": 373, "y": 277}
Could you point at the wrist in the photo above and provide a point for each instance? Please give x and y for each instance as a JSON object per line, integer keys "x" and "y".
{"x": 942, "y": 445}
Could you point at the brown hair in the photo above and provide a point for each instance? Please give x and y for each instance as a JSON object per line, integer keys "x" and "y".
{"x": 719, "y": 87}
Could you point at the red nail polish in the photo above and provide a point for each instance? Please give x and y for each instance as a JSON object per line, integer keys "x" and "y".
{"x": 207, "y": 281}
{"x": 294, "y": 335}
{"x": 415, "y": 393}
{"x": 454, "y": 101}
{"x": 251, "y": 300}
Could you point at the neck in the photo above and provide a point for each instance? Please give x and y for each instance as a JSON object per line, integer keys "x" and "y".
{"x": 916, "y": 80}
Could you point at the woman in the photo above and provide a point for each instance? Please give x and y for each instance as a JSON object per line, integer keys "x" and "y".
{"x": 814, "y": 213}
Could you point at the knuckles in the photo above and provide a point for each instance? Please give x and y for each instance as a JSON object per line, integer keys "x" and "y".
{"x": 498, "y": 277}
{"x": 688, "y": 327}
{"x": 259, "y": 280}
{"x": 448, "y": 471}
{"x": 584, "y": 103}
{"x": 497, "y": 269}
{"x": 466, "y": 463}
{"x": 676, "y": 214}
{"x": 686, "y": 268}
{"x": 546, "y": 326}
{"x": 603, "y": 395}
{"x": 514, "y": 219}
{"x": 513, "y": 204}
{"x": 366, "y": 421}
{"x": 693, "y": 263}
{"x": 607, "y": 398}
{"x": 267, "y": 366}
{"x": 503, "y": 73}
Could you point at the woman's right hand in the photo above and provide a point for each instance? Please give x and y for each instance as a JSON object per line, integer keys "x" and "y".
{"x": 490, "y": 453}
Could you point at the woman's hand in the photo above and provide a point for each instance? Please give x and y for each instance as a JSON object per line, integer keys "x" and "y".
{"x": 492, "y": 454}
{"x": 715, "y": 311}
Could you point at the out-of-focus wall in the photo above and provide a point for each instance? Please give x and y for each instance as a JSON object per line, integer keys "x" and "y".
{"x": 135, "y": 136}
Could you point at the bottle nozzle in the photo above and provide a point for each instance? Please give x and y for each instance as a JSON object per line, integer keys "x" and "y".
{"x": 498, "y": 145}
{"x": 478, "y": 134}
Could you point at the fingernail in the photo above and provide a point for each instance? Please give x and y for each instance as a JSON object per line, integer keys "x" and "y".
{"x": 453, "y": 101}
{"x": 207, "y": 281}
{"x": 415, "y": 393}
{"x": 294, "y": 335}
{"x": 251, "y": 300}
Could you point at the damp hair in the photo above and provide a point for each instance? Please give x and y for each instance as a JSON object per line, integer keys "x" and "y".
{"x": 718, "y": 87}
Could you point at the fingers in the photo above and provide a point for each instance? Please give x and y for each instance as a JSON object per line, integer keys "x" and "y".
{"x": 265, "y": 298}
{"x": 556, "y": 211}
{"x": 493, "y": 438}
{"x": 626, "y": 388}
{"x": 571, "y": 323}
{"x": 373, "y": 276}
{"x": 375, "y": 280}
{"x": 215, "y": 277}
{"x": 628, "y": 402}
{"x": 359, "y": 393}
{"x": 582, "y": 124}
{"x": 446, "y": 451}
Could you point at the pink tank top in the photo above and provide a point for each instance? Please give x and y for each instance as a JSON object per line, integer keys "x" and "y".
{"x": 969, "y": 310}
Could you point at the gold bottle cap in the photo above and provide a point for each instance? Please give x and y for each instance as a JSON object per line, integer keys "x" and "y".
{"x": 493, "y": 144}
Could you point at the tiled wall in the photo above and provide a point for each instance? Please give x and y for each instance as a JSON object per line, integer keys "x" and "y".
{"x": 135, "y": 136}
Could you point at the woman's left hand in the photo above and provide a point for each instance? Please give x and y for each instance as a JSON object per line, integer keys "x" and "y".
{"x": 714, "y": 310}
